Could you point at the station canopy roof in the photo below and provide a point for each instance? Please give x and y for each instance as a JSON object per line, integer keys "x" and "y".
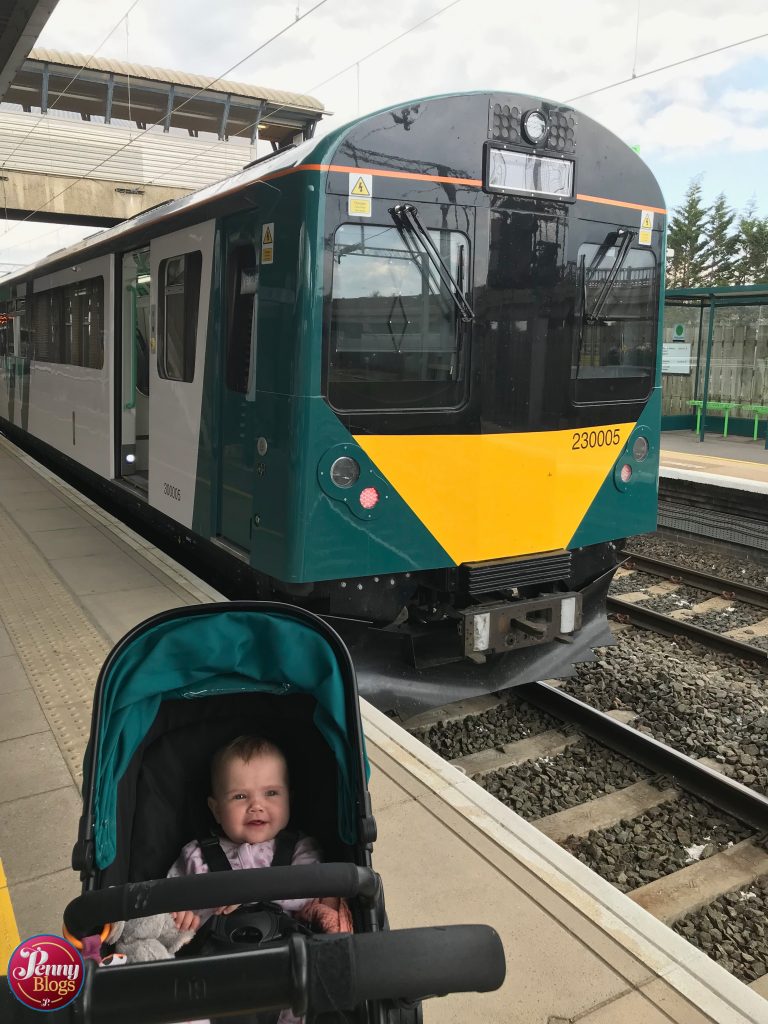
{"x": 148, "y": 95}
{"x": 719, "y": 295}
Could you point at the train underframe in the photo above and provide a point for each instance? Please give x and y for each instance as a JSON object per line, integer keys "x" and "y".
{"x": 418, "y": 639}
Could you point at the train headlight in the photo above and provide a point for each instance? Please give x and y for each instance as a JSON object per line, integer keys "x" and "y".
{"x": 345, "y": 471}
{"x": 534, "y": 126}
{"x": 640, "y": 449}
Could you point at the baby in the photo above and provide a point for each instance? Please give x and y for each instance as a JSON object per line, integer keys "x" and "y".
{"x": 250, "y": 801}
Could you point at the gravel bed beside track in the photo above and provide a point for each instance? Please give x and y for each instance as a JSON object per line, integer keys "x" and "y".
{"x": 733, "y": 930}
{"x": 746, "y": 568}
{"x": 585, "y": 771}
{"x": 512, "y": 720}
{"x": 704, "y": 703}
{"x": 664, "y": 839}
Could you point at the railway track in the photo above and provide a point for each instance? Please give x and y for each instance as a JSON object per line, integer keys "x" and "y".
{"x": 632, "y": 607}
{"x": 652, "y": 788}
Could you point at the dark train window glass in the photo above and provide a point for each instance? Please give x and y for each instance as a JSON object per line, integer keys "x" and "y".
{"x": 615, "y": 350}
{"x": 243, "y": 305}
{"x": 48, "y": 326}
{"x": 84, "y": 324}
{"x": 68, "y": 325}
{"x": 179, "y": 299}
{"x": 6, "y": 329}
{"x": 394, "y": 330}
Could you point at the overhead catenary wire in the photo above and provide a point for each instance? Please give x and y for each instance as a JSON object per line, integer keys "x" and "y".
{"x": 337, "y": 74}
{"x": 666, "y": 67}
{"x": 149, "y": 128}
{"x": 73, "y": 79}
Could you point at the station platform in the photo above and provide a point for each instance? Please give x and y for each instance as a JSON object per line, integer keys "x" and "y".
{"x": 73, "y": 580}
{"x": 736, "y": 462}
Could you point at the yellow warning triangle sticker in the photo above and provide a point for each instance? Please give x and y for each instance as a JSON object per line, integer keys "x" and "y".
{"x": 646, "y": 222}
{"x": 360, "y": 188}
{"x": 267, "y": 239}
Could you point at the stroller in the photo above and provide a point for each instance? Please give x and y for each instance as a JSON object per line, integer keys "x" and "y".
{"x": 177, "y": 688}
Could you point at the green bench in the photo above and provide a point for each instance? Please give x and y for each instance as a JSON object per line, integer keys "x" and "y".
{"x": 716, "y": 407}
{"x": 757, "y": 411}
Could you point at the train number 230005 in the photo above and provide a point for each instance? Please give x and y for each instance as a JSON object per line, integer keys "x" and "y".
{"x": 603, "y": 438}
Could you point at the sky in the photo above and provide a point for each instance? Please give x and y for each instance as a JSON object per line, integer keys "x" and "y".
{"x": 705, "y": 118}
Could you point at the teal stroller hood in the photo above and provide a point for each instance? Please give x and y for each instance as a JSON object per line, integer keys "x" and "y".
{"x": 216, "y": 670}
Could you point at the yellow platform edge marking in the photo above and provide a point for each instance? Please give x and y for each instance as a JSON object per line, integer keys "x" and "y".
{"x": 9, "y": 932}
{"x": 709, "y": 458}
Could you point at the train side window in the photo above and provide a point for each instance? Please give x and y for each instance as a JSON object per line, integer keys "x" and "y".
{"x": 6, "y": 329}
{"x": 242, "y": 292}
{"x": 179, "y": 299}
{"x": 48, "y": 326}
{"x": 615, "y": 349}
{"x": 84, "y": 323}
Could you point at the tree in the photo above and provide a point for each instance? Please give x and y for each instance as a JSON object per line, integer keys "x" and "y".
{"x": 721, "y": 250}
{"x": 752, "y": 263}
{"x": 687, "y": 265}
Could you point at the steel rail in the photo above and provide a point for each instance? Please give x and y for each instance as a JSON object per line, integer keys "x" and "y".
{"x": 713, "y": 584}
{"x": 661, "y": 623}
{"x": 723, "y": 792}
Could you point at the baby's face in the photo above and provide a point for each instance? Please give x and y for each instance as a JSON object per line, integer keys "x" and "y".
{"x": 251, "y": 799}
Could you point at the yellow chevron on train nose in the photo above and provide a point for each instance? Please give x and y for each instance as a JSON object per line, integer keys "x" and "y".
{"x": 497, "y": 495}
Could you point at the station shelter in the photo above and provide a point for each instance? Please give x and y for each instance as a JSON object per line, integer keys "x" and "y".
{"x": 715, "y": 361}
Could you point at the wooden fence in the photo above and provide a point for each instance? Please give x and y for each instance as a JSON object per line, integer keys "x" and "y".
{"x": 739, "y": 363}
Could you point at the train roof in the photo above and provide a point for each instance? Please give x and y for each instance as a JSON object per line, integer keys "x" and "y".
{"x": 313, "y": 154}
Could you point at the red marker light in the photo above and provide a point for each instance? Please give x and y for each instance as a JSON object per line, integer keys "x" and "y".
{"x": 369, "y": 497}
{"x": 626, "y": 473}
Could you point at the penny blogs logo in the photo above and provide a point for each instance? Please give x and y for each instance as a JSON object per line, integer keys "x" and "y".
{"x": 45, "y": 972}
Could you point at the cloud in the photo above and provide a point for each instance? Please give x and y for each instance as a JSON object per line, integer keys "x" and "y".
{"x": 690, "y": 113}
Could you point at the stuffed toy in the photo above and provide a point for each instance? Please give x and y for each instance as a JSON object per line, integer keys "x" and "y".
{"x": 148, "y": 938}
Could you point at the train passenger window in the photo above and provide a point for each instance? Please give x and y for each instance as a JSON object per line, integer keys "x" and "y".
{"x": 615, "y": 350}
{"x": 68, "y": 324}
{"x": 84, "y": 324}
{"x": 179, "y": 299}
{"x": 48, "y": 326}
{"x": 243, "y": 298}
{"x": 395, "y": 336}
{"x": 6, "y": 329}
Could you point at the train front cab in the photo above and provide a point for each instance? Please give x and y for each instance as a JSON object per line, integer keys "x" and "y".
{"x": 489, "y": 415}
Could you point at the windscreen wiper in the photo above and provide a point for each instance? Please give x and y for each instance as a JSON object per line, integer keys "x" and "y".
{"x": 406, "y": 219}
{"x": 624, "y": 237}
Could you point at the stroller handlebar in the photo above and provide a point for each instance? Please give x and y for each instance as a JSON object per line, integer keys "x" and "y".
{"x": 86, "y": 914}
{"x": 316, "y": 974}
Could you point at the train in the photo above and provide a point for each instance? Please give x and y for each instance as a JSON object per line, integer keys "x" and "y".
{"x": 405, "y": 375}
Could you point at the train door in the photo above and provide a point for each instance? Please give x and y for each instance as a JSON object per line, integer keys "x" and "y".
{"x": 135, "y": 335}
{"x": 180, "y": 277}
{"x": 237, "y": 455}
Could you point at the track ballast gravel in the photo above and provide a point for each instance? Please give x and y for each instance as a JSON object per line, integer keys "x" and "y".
{"x": 663, "y": 840}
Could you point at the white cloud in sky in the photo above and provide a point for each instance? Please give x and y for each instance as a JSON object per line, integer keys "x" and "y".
{"x": 688, "y": 119}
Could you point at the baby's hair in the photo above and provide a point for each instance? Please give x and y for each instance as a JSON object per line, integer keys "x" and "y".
{"x": 244, "y": 748}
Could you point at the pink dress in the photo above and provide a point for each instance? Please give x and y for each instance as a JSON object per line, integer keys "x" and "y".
{"x": 248, "y": 855}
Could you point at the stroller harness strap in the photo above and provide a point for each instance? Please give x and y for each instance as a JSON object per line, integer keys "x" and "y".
{"x": 282, "y": 857}
{"x": 252, "y": 924}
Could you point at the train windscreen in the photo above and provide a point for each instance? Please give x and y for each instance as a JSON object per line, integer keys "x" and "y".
{"x": 395, "y": 333}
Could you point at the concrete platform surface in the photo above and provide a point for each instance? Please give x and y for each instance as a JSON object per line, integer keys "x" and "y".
{"x": 73, "y": 580}
{"x": 736, "y": 462}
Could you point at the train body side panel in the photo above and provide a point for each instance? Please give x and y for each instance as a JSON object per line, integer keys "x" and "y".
{"x": 70, "y": 407}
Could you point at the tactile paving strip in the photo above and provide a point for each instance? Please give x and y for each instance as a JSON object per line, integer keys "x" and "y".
{"x": 58, "y": 645}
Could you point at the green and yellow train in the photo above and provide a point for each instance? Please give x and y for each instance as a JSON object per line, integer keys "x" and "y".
{"x": 407, "y": 374}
